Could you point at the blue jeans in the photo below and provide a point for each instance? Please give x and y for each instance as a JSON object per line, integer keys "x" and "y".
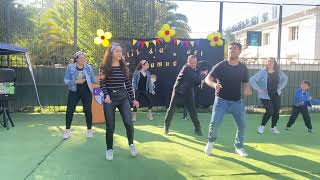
{"x": 221, "y": 107}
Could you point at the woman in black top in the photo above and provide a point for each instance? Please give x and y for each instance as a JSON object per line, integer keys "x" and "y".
{"x": 79, "y": 77}
{"x": 143, "y": 87}
{"x": 118, "y": 93}
{"x": 269, "y": 83}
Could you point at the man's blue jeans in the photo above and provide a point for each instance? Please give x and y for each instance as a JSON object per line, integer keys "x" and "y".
{"x": 220, "y": 108}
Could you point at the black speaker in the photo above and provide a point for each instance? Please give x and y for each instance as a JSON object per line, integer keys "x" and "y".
{"x": 7, "y": 84}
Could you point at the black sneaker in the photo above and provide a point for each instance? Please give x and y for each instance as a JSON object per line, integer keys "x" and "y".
{"x": 166, "y": 131}
{"x": 198, "y": 132}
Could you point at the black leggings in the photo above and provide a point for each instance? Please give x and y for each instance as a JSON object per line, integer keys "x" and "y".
{"x": 186, "y": 99}
{"x": 143, "y": 95}
{"x": 296, "y": 110}
{"x": 272, "y": 107}
{"x": 109, "y": 113}
{"x": 85, "y": 95}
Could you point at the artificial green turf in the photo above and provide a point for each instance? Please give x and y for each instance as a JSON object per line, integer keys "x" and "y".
{"x": 34, "y": 150}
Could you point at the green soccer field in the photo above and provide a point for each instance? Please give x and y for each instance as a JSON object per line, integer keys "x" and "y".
{"x": 34, "y": 149}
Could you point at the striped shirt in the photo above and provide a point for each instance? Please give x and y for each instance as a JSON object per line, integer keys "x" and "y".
{"x": 116, "y": 81}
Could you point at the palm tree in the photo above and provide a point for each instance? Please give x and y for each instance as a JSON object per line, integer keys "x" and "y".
{"x": 124, "y": 18}
{"x": 57, "y": 31}
{"x": 177, "y": 21}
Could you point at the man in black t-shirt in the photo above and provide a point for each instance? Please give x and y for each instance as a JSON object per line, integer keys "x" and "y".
{"x": 227, "y": 78}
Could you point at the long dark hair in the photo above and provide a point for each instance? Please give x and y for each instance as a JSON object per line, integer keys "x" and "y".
{"x": 276, "y": 66}
{"x": 107, "y": 62}
{"x": 139, "y": 66}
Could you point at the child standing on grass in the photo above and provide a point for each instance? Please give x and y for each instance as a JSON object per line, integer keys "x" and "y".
{"x": 302, "y": 101}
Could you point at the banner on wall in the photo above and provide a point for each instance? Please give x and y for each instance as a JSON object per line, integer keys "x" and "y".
{"x": 166, "y": 59}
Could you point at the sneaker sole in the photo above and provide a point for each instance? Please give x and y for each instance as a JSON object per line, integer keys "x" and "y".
{"x": 206, "y": 153}
{"x": 242, "y": 155}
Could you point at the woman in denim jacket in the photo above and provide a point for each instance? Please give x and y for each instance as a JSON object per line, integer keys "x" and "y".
{"x": 269, "y": 82}
{"x": 143, "y": 87}
{"x": 79, "y": 77}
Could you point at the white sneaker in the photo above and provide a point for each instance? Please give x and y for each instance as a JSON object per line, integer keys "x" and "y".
{"x": 109, "y": 154}
{"x": 241, "y": 152}
{"x": 274, "y": 130}
{"x": 150, "y": 116}
{"x": 89, "y": 133}
{"x": 133, "y": 150}
{"x": 134, "y": 116}
{"x": 66, "y": 134}
{"x": 260, "y": 129}
{"x": 208, "y": 148}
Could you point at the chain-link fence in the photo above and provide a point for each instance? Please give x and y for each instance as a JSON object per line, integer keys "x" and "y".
{"x": 47, "y": 27}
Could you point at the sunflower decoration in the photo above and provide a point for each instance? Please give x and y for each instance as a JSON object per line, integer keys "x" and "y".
{"x": 103, "y": 38}
{"x": 166, "y": 33}
{"x": 215, "y": 39}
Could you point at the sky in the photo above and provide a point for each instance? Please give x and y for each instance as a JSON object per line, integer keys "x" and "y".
{"x": 204, "y": 16}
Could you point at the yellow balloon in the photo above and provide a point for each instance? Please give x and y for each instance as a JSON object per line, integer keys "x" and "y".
{"x": 210, "y": 37}
{"x": 217, "y": 34}
{"x": 161, "y": 33}
{"x": 220, "y": 42}
{"x": 108, "y": 35}
{"x": 166, "y": 27}
{"x": 105, "y": 43}
{"x": 97, "y": 40}
{"x": 100, "y": 32}
{"x": 172, "y": 32}
{"x": 167, "y": 39}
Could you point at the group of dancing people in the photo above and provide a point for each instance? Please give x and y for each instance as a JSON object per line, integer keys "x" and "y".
{"x": 228, "y": 78}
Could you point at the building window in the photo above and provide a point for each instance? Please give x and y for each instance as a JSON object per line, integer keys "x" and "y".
{"x": 266, "y": 38}
{"x": 293, "y": 33}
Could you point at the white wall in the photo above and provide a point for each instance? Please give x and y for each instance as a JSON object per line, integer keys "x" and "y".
{"x": 317, "y": 38}
{"x": 307, "y": 46}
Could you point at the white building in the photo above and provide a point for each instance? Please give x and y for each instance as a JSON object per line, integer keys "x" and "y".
{"x": 300, "y": 42}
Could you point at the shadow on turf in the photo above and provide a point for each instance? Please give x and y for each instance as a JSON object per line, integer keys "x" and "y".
{"x": 294, "y": 164}
{"x": 291, "y": 163}
{"x": 145, "y": 136}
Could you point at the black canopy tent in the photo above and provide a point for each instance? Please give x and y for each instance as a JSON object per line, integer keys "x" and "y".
{"x": 9, "y": 49}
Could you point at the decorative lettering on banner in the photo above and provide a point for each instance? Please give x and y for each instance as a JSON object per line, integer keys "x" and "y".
{"x": 195, "y": 52}
{"x": 174, "y": 63}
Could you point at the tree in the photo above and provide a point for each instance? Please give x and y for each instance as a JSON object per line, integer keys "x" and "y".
{"x": 177, "y": 21}
{"x": 51, "y": 39}
{"x": 15, "y": 21}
